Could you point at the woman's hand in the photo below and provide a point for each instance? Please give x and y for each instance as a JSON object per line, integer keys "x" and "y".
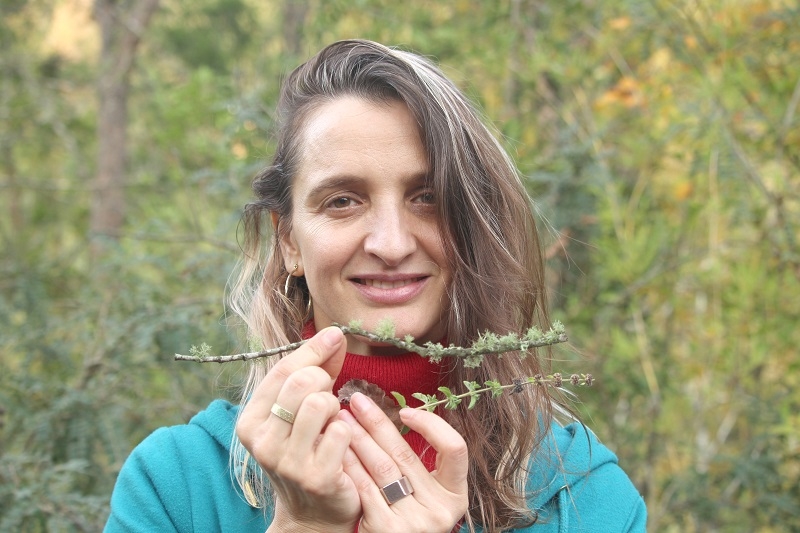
{"x": 379, "y": 456}
{"x": 304, "y": 459}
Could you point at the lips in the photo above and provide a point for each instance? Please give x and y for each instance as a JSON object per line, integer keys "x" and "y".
{"x": 390, "y": 290}
{"x": 387, "y": 284}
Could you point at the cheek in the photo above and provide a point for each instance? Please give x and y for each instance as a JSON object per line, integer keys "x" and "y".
{"x": 309, "y": 230}
{"x": 323, "y": 258}
{"x": 313, "y": 240}
{"x": 436, "y": 250}
{"x": 322, "y": 267}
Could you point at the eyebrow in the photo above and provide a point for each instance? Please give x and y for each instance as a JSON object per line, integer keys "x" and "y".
{"x": 347, "y": 181}
{"x": 333, "y": 182}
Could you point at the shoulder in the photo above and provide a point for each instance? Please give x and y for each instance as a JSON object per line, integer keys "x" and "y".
{"x": 179, "y": 479}
{"x": 576, "y": 482}
{"x": 203, "y": 442}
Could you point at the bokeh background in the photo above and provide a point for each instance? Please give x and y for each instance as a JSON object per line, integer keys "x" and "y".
{"x": 660, "y": 138}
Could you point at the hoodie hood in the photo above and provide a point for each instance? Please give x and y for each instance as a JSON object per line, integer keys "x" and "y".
{"x": 565, "y": 457}
{"x": 218, "y": 420}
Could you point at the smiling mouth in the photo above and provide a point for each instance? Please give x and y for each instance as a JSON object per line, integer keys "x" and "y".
{"x": 383, "y": 284}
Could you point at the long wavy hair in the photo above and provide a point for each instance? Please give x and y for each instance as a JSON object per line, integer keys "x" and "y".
{"x": 491, "y": 244}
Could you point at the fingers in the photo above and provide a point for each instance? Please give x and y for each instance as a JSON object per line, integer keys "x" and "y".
{"x": 379, "y": 464}
{"x": 326, "y": 350}
{"x": 332, "y": 351}
{"x": 302, "y": 453}
{"x": 387, "y": 456}
{"x": 312, "y": 367}
{"x": 379, "y": 445}
{"x": 334, "y": 444}
{"x": 379, "y": 456}
{"x": 312, "y": 417}
{"x": 452, "y": 465}
{"x": 368, "y": 487}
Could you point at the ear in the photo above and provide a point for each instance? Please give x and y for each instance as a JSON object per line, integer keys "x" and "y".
{"x": 289, "y": 249}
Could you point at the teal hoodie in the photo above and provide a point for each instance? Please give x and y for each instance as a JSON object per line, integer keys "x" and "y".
{"x": 178, "y": 479}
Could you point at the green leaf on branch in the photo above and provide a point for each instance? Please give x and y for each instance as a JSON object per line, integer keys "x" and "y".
{"x": 452, "y": 400}
{"x": 400, "y": 399}
{"x": 429, "y": 401}
{"x": 495, "y": 387}
{"x": 475, "y": 391}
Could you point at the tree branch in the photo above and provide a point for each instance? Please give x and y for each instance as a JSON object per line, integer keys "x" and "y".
{"x": 488, "y": 343}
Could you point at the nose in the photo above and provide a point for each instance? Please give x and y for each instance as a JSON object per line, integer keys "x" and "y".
{"x": 390, "y": 235}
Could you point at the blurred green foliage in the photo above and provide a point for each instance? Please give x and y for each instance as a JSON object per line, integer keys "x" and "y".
{"x": 659, "y": 138}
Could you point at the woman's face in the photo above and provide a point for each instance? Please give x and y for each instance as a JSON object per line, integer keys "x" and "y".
{"x": 364, "y": 227}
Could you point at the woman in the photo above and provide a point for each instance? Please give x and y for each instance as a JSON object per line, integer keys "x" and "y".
{"x": 388, "y": 198}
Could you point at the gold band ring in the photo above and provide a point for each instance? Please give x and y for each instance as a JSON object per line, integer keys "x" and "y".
{"x": 283, "y": 414}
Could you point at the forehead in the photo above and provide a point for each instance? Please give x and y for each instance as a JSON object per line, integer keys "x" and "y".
{"x": 350, "y": 133}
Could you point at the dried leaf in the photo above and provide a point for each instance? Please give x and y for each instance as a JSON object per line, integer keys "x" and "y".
{"x": 376, "y": 394}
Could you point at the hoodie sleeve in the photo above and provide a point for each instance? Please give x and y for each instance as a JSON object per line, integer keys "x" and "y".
{"x": 587, "y": 491}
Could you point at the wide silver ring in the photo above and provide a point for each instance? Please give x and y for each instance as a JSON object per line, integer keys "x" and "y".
{"x": 397, "y": 490}
{"x": 283, "y": 414}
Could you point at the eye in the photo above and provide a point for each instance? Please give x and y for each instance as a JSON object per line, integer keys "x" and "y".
{"x": 425, "y": 197}
{"x": 340, "y": 202}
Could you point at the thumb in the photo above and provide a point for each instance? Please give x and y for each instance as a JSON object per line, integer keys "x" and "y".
{"x": 330, "y": 345}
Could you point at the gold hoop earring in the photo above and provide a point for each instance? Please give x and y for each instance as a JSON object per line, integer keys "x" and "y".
{"x": 289, "y": 277}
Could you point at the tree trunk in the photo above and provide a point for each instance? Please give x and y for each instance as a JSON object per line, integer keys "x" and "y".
{"x": 121, "y": 26}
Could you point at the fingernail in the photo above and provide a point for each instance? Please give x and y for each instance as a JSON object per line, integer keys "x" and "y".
{"x": 345, "y": 416}
{"x": 407, "y": 413}
{"x": 331, "y": 336}
{"x": 359, "y": 402}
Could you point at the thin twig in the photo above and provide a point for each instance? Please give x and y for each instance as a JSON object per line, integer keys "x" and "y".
{"x": 450, "y": 400}
{"x": 486, "y": 344}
